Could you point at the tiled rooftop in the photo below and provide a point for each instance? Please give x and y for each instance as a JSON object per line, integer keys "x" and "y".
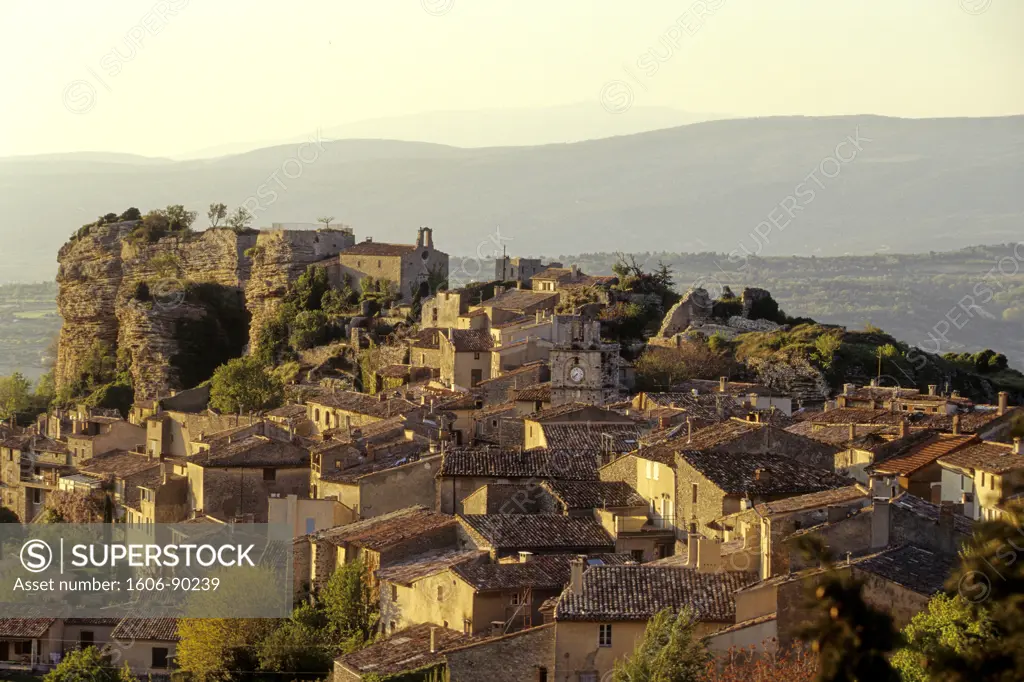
{"x": 369, "y": 248}
{"x": 118, "y": 463}
{"x": 920, "y": 455}
{"x": 156, "y": 629}
{"x": 596, "y": 436}
{"x": 519, "y": 299}
{"x": 538, "y": 532}
{"x": 594, "y": 494}
{"x": 550, "y": 571}
{"x": 380, "y": 532}
{"x": 737, "y": 473}
{"x": 405, "y": 650}
{"x": 361, "y": 403}
{"x": 470, "y": 340}
{"x": 823, "y": 498}
{"x": 994, "y": 458}
{"x": 425, "y": 565}
{"x": 637, "y": 593}
{"x": 922, "y": 570}
{"x": 515, "y": 463}
{"x": 253, "y": 451}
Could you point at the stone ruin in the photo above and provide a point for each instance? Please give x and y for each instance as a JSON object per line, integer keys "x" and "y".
{"x": 693, "y": 315}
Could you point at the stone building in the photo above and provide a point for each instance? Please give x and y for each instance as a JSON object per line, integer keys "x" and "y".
{"x": 583, "y": 369}
{"x": 408, "y": 267}
{"x": 982, "y": 477}
{"x": 30, "y": 469}
{"x": 518, "y": 269}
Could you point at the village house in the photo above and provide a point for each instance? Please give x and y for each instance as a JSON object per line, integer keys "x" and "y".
{"x": 30, "y": 469}
{"x": 407, "y": 267}
{"x": 602, "y": 615}
{"x": 511, "y": 304}
{"x": 981, "y": 477}
{"x": 506, "y": 535}
{"x": 914, "y": 467}
{"x": 154, "y": 644}
{"x": 173, "y": 434}
{"x": 499, "y": 425}
{"x": 96, "y": 435}
{"x": 378, "y": 542}
{"x": 465, "y": 357}
{"x": 463, "y": 471}
{"x": 533, "y": 398}
{"x": 554, "y": 278}
{"x": 237, "y": 477}
{"x": 901, "y": 399}
{"x": 517, "y": 269}
{"x": 527, "y": 656}
{"x": 419, "y": 649}
{"x": 584, "y": 414}
{"x": 752, "y": 396}
{"x": 125, "y": 471}
{"x": 480, "y": 597}
{"x": 306, "y": 516}
{"x": 162, "y": 498}
{"x": 347, "y": 409}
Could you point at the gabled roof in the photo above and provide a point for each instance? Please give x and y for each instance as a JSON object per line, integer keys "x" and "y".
{"x": 927, "y": 510}
{"x": 594, "y": 494}
{"x": 405, "y": 650}
{"x": 470, "y": 340}
{"x": 515, "y": 463}
{"x": 536, "y": 393}
{"x": 550, "y": 571}
{"x": 736, "y": 474}
{"x": 562, "y": 411}
{"x": 118, "y": 463}
{"x": 424, "y": 565}
{"x": 25, "y": 627}
{"x": 823, "y": 498}
{"x": 637, "y": 593}
{"x": 155, "y": 629}
{"x": 529, "y": 532}
{"x": 994, "y": 458}
{"x": 361, "y": 403}
{"x": 387, "y": 530}
{"x": 922, "y": 570}
{"x": 252, "y": 451}
{"x": 518, "y": 299}
{"x": 596, "y": 436}
{"x": 920, "y": 455}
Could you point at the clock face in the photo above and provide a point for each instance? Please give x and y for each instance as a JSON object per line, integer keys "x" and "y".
{"x": 576, "y": 374}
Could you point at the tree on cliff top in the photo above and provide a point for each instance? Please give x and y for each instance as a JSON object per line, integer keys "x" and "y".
{"x": 242, "y": 385}
{"x": 217, "y": 213}
{"x": 239, "y": 220}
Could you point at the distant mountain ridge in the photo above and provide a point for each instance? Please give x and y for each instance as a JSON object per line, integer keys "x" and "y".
{"x": 914, "y": 185}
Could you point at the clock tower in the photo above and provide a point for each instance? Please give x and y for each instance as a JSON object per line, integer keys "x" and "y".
{"x": 582, "y": 368}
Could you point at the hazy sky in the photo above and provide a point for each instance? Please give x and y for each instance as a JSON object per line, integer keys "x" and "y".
{"x": 174, "y": 76}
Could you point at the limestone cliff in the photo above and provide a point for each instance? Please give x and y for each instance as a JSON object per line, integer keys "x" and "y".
{"x": 170, "y": 311}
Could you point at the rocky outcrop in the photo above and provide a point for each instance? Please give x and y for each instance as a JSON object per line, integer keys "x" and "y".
{"x": 693, "y": 309}
{"x": 169, "y": 309}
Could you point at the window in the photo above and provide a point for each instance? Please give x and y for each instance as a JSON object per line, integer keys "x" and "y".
{"x": 694, "y": 494}
{"x": 86, "y": 638}
{"x": 440, "y": 596}
{"x": 337, "y": 464}
{"x": 23, "y": 648}
{"x": 637, "y": 555}
{"x": 327, "y": 419}
{"x": 37, "y": 496}
{"x": 394, "y": 593}
{"x": 542, "y": 675}
{"x": 588, "y": 677}
{"x": 310, "y": 525}
{"x": 269, "y": 474}
{"x": 476, "y": 356}
{"x": 475, "y": 376}
{"x": 648, "y": 470}
{"x": 378, "y": 264}
{"x": 359, "y": 263}
{"x": 604, "y": 635}
{"x": 516, "y": 599}
{"x": 316, "y": 414}
{"x": 159, "y": 657}
{"x": 655, "y": 471}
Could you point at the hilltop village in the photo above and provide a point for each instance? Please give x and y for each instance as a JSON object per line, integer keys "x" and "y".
{"x": 526, "y": 469}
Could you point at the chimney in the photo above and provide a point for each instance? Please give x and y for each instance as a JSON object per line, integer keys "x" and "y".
{"x": 723, "y": 383}
{"x": 1004, "y": 400}
{"x": 761, "y": 475}
{"x": 853, "y": 432}
{"x": 433, "y": 639}
{"x": 524, "y": 557}
{"x": 874, "y": 383}
{"x": 956, "y": 424}
{"x": 576, "y": 575}
{"x": 874, "y": 404}
{"x": 662, "y": 422}
{"x": 848, "y": 389}
{"x": 1016, "y": 446}
{"x": 903, "y": 428}
{"x": 932, "y": 388}
{"x": 689, "y": 429}
{"x": 880, "y": 523}
{"x": 692, "y": 540}
{"x": 955, "y": 394}
{"x": 537, "y": 317}
{"x": 709, "y": 555}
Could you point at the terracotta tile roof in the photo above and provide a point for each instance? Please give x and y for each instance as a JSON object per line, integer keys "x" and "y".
{"x": 118, "y": 463}
{"x": 535, "y": 366}
{"x": 837, "y": 434}
{"x": 915, "y": 568}
{"x": 927, "y": 510}
{"x": 548, "y": 571}
{"x": 600, "y": 437}
{"x": 496, "y": 410}
{"x": 970, "y": 422}
{"x": 736, "y": 474}
{"x": 369, "y": 248}
{"x": 515, "y": 463}
{"x": 535, "y": 532}
{"x": 386, "y": 456}
{"x": 25, "y": 627}
{"x": 734, "y": 388}
{"x": 995, "y": 458}
{"x": 859, "y": 415}
{"x": 425, "y": 565}
{"x": 252, "y": 451}
{"x": 470, "y": 340}
{"x": 519, "y": 299}
{"x": 361, "y": 403}
{"x": 742, "y": 625}
{"x": 594, "y": 494}
{"x": 405, "y": 650}
{"x": 514, "y": 322}
{"x": 823, "y": 498}
{"x": 920, "y": 455}
{"x": 560, "y": 411}
{"x": 387, "y": 530}
{"x": 557, "y": 274}
{"x": 155, "y": 629}
{"x": 288, "y": 412}
{"x": 427, "y": 338}
{"x": 536, "y": 393}
{"x": 34, "y": 443}
{"x": 637, "y": 593}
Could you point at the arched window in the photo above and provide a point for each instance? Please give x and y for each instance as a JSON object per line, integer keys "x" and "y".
{"x": 316, "y": 415}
